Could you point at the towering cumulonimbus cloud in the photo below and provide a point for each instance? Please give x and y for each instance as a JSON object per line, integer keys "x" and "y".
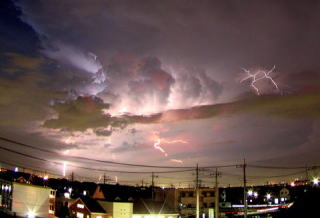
{"x": 132, "y": 80}
{"x": 144, "y": 86}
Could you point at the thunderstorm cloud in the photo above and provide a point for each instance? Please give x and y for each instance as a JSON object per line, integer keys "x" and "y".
{"x": 109, "y": 79}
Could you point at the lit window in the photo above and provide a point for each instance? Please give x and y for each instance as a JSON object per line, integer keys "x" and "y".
{"x": 79, "y": 215}
{"x": 80, "y": 206}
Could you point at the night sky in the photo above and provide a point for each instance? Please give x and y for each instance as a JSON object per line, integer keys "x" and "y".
{"x": 165, "y": 83}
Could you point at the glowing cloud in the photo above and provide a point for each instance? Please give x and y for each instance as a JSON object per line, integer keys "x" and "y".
{"x": 158, "y": 141}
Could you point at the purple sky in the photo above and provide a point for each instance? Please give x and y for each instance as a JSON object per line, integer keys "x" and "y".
{"x": 159, "y": 83}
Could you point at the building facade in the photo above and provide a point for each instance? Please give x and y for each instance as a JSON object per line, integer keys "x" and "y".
{"x": 32, "y": 201}
{"x": 117, "y": 209}
{"x": 87, "y": 208}
{"x": 184, "y": 199}
{"x": 5, "y": 195}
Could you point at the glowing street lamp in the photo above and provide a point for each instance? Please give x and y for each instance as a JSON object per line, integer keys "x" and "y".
{"x": 268, "y": 196}
{"x": 315, "y": 181}
{"x": 250, "y": 193}
{"x": 31, "y": 214}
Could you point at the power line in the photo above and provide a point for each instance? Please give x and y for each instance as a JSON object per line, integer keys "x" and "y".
{"x": 279, "y": 167}
{"x": 105, "y": 161}
{"x": 89, "y": 168}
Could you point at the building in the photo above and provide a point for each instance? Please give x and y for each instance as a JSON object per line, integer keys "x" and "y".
{"x": 184, "y": 199}
{"x": 87, "y": 208}
{"x": 5, "y": 195}
{"x": 117, "y": 209}
{"x": 22, "y": 199}
{"x": 115, "y": 193}
{"x": 32, "y": 201}
{"x": 127, "y": 202}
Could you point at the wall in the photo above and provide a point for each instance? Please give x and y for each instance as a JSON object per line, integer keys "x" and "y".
{"x": 30, "y": 199}
{"x": 118, "y": 209}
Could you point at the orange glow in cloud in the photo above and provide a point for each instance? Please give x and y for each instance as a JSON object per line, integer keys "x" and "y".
{"x": 176, "y": 161}
{"x": 158, "y": 141}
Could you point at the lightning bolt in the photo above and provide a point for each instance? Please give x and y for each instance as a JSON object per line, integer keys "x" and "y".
{"x": 259, "y": 75}
{"x": 159, "y": 141}
{"x": 157, "y": 146}
{"x": 64, "y": 168}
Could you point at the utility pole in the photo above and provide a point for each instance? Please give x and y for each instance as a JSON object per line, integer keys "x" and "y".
{"x": 216, "y": 195}
{"x": 245, "y": 203}
{"x": 197, "y": 192}
{"x": 72, "y": 176}
{"x": 152, "y": 185}
{"x": 307, "y": 173}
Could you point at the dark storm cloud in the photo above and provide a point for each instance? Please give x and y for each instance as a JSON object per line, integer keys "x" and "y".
{"x": 103, "y": 132}
{"x": 225, "y": 34}
{"x": 11, "y": 30}
{"x": 81, "y": 114}
{"x": 23, "y": 97}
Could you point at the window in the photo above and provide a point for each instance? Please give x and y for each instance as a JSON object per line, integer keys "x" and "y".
{"x": 80, "y": 215}
{"x": 80, "y": 206}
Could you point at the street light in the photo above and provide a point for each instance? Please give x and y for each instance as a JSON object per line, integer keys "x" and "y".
{"x": 268, "y": 196}
{"x": 31, "y": 214}
{"x": 315, "y": 181}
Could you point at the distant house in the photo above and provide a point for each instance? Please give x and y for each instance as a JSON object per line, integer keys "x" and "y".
{"x": 113, "y": 193}
{"x": 87, "y": 208}
{"x": 91, "y": 208}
